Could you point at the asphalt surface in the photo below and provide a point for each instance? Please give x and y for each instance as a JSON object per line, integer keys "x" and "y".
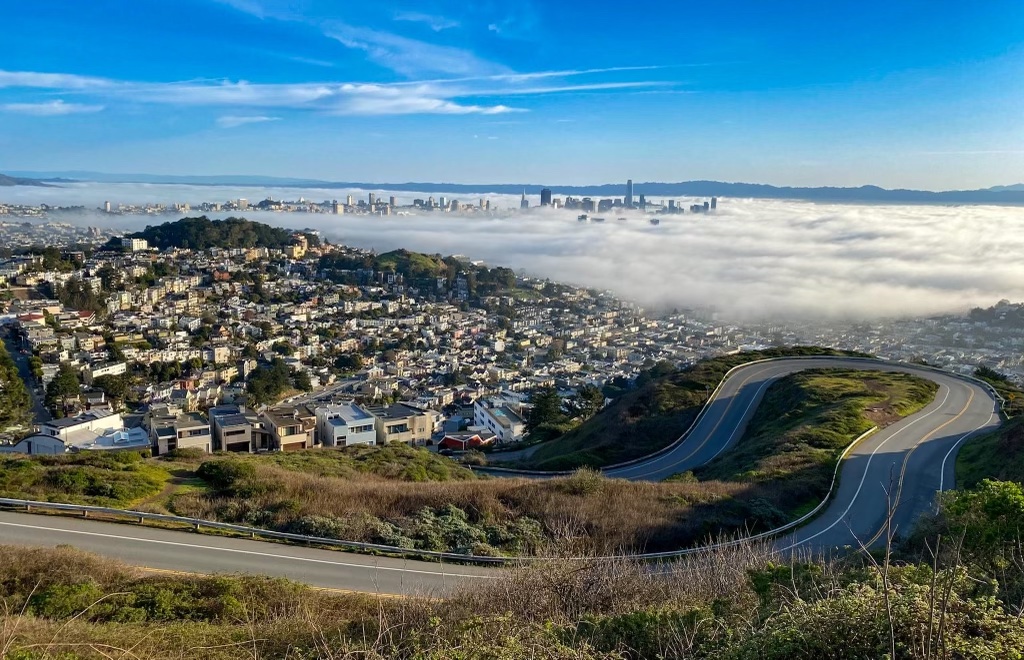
{"x": 183, "y": 551}
{"x": 900, "y": 468}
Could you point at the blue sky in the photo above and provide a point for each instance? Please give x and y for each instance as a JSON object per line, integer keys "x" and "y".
{"x": 912, "y": 93}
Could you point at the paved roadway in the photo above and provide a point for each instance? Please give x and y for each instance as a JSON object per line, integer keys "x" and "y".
{"x": 905, "y": 463}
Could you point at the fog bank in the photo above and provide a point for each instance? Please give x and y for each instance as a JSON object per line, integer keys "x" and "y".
{"x": 753, "y": 258}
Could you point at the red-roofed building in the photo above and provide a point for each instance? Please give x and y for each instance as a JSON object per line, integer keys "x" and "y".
{"x": 466, "y": 441}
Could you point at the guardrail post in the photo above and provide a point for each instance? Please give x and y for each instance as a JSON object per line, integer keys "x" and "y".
{"x": 142, "y": 520}
{"x": 197, "y": 527}
{"x": 85, "y": 514}
{"x": 28, "y": 507}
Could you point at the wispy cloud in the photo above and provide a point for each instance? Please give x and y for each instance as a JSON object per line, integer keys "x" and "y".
{"x": 451, "y": 96}
{"x": 434, "y": 22}
{"x": 411, "y": 57}
{"x": 50, "y": 108}
{"x": 234, "y": 121}
{"x": 50, "y": 80}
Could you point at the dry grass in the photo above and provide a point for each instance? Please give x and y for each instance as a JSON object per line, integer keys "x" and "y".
{"x": 607, "y": 515}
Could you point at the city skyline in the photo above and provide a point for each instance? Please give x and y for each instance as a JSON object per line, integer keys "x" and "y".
{"x": 917, "y": 96}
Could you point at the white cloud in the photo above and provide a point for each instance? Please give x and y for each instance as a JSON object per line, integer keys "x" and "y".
{"x": 435, "y": 23}
{"x": 412, "y": 57}
{"x": 50, "y": 80}
{"x": 438, "y": 96}
{"x": 233, "y": 121}
{"x": 50, "y": 108}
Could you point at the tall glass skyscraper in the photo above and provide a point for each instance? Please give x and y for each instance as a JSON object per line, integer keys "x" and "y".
{"x": 545, "y": 197}
{"x": 629, "y": 194}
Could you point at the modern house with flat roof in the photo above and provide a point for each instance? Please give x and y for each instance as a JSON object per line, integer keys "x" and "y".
{"x": 290, "y": 427}
{"x": 401, "y": 422}
{"x": 501, "y": 420}
{"x": 344, "y": 425}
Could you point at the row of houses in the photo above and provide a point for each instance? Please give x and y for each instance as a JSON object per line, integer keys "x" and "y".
{"x": 234, "y": 428}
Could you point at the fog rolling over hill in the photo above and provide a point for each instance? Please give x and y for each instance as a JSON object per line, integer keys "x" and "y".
{"x": 750, "y": 259}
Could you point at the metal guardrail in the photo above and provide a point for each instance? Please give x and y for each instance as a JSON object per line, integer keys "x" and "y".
{"x": 255, "y": 532}
{"x": 714, "y": 394}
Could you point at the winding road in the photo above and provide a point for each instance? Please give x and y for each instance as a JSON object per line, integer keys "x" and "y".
{"x": 900, "y": 467}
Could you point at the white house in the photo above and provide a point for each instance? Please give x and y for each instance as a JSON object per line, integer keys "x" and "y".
{"x": 344, "y": 424}
{"x": 499, "y": 419}
{"x": 96, "y": 430}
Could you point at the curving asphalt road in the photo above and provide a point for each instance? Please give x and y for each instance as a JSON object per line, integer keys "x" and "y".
{"x": 904, "y": 464}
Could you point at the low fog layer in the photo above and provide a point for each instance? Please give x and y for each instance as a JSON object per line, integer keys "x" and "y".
{"x": 752, "y": 258}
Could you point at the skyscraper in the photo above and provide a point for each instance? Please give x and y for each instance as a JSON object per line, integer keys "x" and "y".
{"x": 629, "y": 194}
{"x": 373, "y": 199}
{"x": 714, "y": 203}
{"x": 525, "y": 203}
{"x": 545, "y": 197}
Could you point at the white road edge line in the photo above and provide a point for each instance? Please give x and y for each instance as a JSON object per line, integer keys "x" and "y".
{"x": 864, "y": 476}
{"x": 942, "y": 473}
{"x": 247, "y": 552}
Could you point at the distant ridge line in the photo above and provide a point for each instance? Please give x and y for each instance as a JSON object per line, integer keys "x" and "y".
{"x": 1012, "y": 194}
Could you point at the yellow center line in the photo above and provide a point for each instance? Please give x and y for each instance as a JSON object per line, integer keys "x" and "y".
{"x": 710, "y": 435}
{"x": 906, "y": 461}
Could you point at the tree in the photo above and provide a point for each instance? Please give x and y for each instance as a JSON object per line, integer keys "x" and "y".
{"x": 588, "y": 401}
{"x": 350, "y": 362}
{"x": 547, "y": 409}
{"x": 115, "y": 387}
{"x": 302, "y": 381}
{"x": 64, "y": 386}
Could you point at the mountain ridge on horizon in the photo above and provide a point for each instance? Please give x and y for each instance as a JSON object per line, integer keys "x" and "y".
{"x": 1006, "y": 194}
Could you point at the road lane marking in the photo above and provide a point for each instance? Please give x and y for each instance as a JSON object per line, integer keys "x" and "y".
{"x": 710, "y": 435}
{"x": 248, "y": 552}
{"x": 942, "y": 474}
{"x": 906, "y": 461}
{"x": 864, "y": 476}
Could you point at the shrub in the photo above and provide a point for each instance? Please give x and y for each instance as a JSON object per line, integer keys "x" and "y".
{"x": 186, "y": 455}
{"x": 226, "y": 474}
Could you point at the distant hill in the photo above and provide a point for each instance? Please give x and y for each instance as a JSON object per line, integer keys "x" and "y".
{"x": 20, "y": 181}
{"x": 202, "y": 234}
{"x": 1007, "y": 195}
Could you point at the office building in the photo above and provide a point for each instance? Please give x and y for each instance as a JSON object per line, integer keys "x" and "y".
{"x": 714, "y": 203}
{"x": 629, "y": 194}
{"x": 525, "y": 203}
{"x": 393, "y": 202}
{"x": 338, "y": 208}
{"x": 643, "y": 202}
{"x": 545, "y": 197}
{"x": 373, "y": 199}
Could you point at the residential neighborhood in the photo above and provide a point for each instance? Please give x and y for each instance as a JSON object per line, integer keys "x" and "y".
{"x": 313, "y": 344}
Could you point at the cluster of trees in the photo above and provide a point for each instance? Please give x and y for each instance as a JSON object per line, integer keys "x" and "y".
{"x": 551, "y": 416}
{"x": 14, "y": 396}
{"x": 269, "y": 381}
{"x": 65, "y": 386}
{"x": 76, "y": 294}
{"x": 202, "y": 234}
{"x": 419, "y": 270}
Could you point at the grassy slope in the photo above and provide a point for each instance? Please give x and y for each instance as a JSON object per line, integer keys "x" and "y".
{"x": 62, "y": 604}
{"x": 803, "y": 424}
{"x": 648, "y": 418}
{"x": 997, "y": 455}
{"x": 114, "y": 480}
